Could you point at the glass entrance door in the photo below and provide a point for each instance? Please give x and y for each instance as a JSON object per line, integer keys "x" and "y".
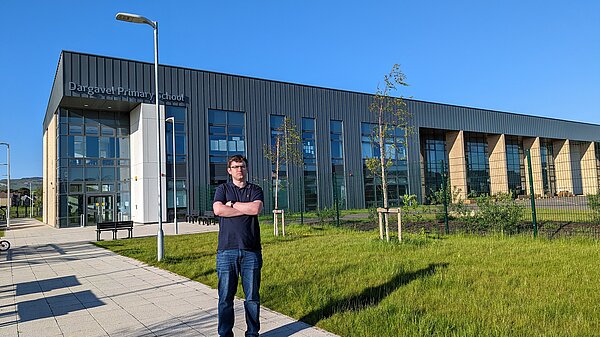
{"x": 100, "y": 208}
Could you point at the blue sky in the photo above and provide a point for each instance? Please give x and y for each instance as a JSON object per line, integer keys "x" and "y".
{"x": 532, "y": 57}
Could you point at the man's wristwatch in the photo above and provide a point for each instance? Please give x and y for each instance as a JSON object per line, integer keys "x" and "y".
{"x": 232, "y": 202}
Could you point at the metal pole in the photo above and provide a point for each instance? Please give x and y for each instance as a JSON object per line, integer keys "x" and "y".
{"x": 301, "y": 189}
{"x": 154, "y": 24}
{"x": 8, "y": 195}
{"x": 172, "y": 120}
{"x": 531, "y": 194}
{"x": 30, "y": 201}
{"x": 445, "y": 200}
{"x": 335, "y": 200}
{"x": 8, "y": 184}
{"x": 407, "y": 162}
{"x": 160, "y": 235}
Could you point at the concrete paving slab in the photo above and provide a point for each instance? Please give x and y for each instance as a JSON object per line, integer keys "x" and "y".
{"x": 59, "y": 284}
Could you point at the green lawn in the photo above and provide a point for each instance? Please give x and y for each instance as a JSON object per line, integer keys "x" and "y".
{"x": 351, "y": 284}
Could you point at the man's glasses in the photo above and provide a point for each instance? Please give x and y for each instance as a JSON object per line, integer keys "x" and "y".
{"x": 241, "y": 167}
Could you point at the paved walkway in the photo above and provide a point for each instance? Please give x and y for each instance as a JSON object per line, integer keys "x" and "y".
{"x": 53, "y": 282}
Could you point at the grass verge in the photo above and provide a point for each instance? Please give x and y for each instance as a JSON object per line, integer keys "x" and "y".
{"x": 352, "y": 284}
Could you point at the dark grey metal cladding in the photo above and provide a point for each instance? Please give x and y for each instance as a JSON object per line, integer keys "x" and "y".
{"x": 97, "y": 71}
{"x": 451, "y": 117}
{"x": 259, "y": 99}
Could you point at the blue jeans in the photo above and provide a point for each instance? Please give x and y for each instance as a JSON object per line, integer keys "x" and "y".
{"x": 232, "y": 263}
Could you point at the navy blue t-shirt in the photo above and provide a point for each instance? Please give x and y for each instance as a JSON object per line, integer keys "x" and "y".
{"x": 239, "y": 232}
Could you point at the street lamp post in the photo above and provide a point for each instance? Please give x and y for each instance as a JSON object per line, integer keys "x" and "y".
{"x": 30, "y": 201}
{"x": 172, "y": 121}
{"x": 8, "y": 195}
{"x": 154, "y": 24}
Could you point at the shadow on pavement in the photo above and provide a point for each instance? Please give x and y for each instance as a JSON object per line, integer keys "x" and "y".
{"x": 33, "y": 287}
{"x": 57, "y": 305}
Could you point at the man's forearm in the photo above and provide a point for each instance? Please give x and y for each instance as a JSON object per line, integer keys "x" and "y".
{"x": 221, "y": 209}
{"x": 248, "y": 208}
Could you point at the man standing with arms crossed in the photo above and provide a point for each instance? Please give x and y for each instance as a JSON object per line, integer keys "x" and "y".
{"x": 238, "y": 203}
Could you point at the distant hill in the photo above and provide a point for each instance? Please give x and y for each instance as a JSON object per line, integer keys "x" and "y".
{"x": 15, "y": 184}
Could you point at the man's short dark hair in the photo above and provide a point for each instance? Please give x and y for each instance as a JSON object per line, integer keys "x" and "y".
{"x": 237, "y": 158}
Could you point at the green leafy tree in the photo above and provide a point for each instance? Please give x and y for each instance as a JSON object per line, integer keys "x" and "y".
{"x": 284, "y": 149}
{"x": 391, "y": 114}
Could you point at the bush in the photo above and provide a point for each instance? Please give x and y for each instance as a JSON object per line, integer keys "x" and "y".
{"x": 593, "y": 201}
{"x": 411, "y": 209}
{"x": 373, "y": 216}
{"x": 326, "y": 216}
{"x": 499, "y": 212}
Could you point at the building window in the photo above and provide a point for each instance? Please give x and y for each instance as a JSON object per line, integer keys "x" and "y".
{"x": 478, "y": 170}
{"x": 276, "y": 122}
{"x": 514, "y": 165}
{"x": 180, "y": 157}
{"x": 93, "y": 167}
{"x": 548, "y": 171}
{"x": 397, "y": 173}
{"x": 336, "y": 136}
{"x": 597, "y": 151}
{"x": 226, "y": 137}
{"x": 433, "y": 148}
{"x": 309, "y": 155}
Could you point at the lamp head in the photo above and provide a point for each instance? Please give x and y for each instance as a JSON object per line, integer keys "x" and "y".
{"x": 127, "y": 17}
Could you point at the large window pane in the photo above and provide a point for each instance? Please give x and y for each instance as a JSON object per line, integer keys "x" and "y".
{"x": 309, "y": 152}
{"x": 108, "y": 130}
{"x": 108, "y": 174}
{"x": 123, "y": 147}
{"x": 476, "y": 158}
{"x": 337, "y": 158}
{"x": 107, "y": 147}
{"x": 514, "y": 165}
{"x": 217, "y": 117}
{"x": 226, "y": 138}
{"x": 91, "y": 143}
{"x": 64, "y": 143}
{"x": 180, "y": 144}
{"x": 75, "y": 117}
{"x": 91, "y": 130}
{"x": 276, "y": 122}
{"x": 78, "y": 146}
{"x": 75, "y": 129}
{"x": 75, "y": 174}
{"x": 235, "y": 118}
{"x": 179, "y": 113}
{"x": 337, "y": 150}
{"x": 92, "y": 174}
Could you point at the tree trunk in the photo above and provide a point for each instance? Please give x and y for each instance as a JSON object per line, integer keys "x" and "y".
{"x": 275, "y": 215}
{"x": 276, "y": 172}
{"x": 382, "y": 158}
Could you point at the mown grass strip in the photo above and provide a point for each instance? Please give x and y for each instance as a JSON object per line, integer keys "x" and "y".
{"x": 352, "y": 284}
